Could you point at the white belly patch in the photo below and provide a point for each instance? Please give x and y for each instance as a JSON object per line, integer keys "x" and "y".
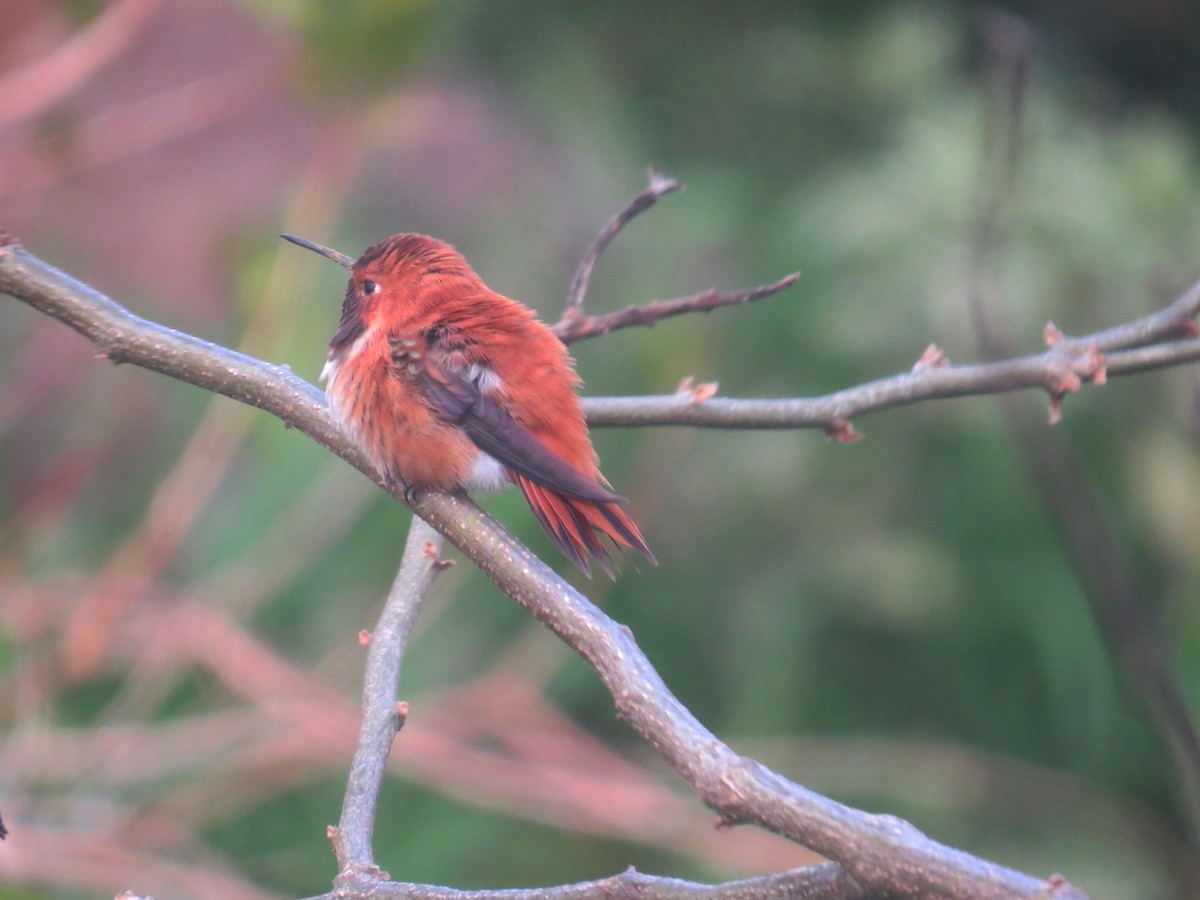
{"x": 487, "y": 474}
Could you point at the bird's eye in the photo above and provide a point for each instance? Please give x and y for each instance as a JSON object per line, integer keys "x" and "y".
{"x": 369, "y": 288}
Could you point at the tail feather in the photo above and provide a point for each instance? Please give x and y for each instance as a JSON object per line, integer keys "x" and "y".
{"x": 552, "y": 522}
{"x": 575, "y": 525}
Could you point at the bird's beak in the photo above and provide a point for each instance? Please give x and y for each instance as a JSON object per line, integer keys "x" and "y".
{"x": 340, "y": 258}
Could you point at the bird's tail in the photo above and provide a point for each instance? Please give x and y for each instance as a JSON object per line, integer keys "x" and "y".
{"x": 575, "y": 524}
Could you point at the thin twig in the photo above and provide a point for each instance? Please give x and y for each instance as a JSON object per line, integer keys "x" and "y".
{"x": 880, "y": 852}
{"x": 1174, "y": 322}
{"x": 828, "y": 882}
{"x": 576, "y": 328}
{"x": 660, "y": 185}
{"x": 1061, "y": 369}
{"x": 382, "y": 716}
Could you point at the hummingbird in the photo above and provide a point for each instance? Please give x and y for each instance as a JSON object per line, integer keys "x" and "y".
{"x": 445, "y": 384}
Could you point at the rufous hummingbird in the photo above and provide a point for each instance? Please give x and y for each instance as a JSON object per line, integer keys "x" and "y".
{"x": 446, "y": 384}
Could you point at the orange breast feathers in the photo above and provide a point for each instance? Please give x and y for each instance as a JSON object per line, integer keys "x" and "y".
{"x": 446, "y": 384}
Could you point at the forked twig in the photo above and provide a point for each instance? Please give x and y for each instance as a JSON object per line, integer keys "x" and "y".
{"x": 576, "y": 328}
{"x": 575, "y": 325}
{"x": 660, "y": 185}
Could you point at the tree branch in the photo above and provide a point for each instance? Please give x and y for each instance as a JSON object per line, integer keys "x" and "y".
{"x": 1165, "y": 338}
{"x": 881, "y": 853}
{"x": 577, "y": 328}
{"x": 383, "y": 717}
{"x": 660, "y": 185}
{"x": 828, "y": 882}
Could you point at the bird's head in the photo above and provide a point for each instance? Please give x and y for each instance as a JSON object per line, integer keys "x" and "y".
{"x": 395, "y": 281}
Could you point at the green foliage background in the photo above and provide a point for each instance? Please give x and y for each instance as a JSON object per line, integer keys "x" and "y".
{"x": 905, "y": 598}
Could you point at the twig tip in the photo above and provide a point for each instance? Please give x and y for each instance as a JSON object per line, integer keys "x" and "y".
{"x": 697, "y": 393}
{"x": 438, "y": 564}
{"x": 661, "y": 184}
{"x": 401, "y": 713}
{"x": 1097, "y": 365}
{"x": 843, "y": 432}
{"x": 933, "y": 358}
{"x": 1054, "y": 414}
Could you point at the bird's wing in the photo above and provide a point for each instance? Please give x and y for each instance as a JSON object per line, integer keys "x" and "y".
{"x": 457, "y": 393}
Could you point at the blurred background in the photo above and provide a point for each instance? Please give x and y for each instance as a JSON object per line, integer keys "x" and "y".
{"x": 897, "y": 623}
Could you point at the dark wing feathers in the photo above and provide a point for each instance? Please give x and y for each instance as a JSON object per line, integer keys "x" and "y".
{"x": 497, "y": 433}
{"x": 573, "y": 507}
